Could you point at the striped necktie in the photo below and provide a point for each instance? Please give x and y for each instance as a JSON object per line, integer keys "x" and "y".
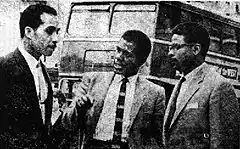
{"x": 119, "y": 113}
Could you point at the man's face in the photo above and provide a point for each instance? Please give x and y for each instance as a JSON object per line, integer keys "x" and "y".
{"x": 180, "y": 53}
{"x": 45, "y": 37}
{"x": 125, "y": 62}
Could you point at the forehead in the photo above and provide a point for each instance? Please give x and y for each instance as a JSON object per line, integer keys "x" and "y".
{"x": 177, "y": 39}
{"x": 123, "y": 44}
{"x": 49, "y": 20}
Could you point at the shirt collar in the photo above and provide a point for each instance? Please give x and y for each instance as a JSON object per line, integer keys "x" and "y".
{"x": 118, "y": 78}
{"x": 31, "y": 61}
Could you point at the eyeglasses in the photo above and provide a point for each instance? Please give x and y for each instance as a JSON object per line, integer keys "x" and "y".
{"x": 125, "y": 52}
{"x": 178, "y": 46}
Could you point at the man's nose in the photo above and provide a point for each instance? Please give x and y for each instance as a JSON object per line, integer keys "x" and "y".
{"x": 118, "y": 55}
{"x": 170, "y": 53}
{"x": 55, "y": 37}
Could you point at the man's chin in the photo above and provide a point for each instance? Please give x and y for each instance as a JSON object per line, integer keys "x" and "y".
{"x": 118, "y": 71}
{"x": 49, "y": 52}
{"x": 173, "y": 65}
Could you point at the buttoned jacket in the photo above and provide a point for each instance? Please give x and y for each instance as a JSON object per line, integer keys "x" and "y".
{"x": 21, "y": 123}
{"x": 207, "y": 115}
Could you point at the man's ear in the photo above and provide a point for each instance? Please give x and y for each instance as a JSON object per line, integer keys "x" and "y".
{"x": 29, "y": 32}
{"x": 196, "y": 49}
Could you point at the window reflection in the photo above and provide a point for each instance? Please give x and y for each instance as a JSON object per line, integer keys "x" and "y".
{"x": 89, "y": 21}
{"x": 141, "y": 17}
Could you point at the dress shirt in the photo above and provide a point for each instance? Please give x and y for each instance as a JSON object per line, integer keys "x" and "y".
{"x": 105, "y": 126}
{"x": 36, "y": 71}
{"x": 185, "y": 84}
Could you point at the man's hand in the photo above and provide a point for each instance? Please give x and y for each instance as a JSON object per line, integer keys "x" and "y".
{"x": 83, "y": 100}
{"x": 58, "y": 95}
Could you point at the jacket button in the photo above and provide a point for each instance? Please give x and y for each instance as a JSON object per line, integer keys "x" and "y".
{"x": 206, "y": 135}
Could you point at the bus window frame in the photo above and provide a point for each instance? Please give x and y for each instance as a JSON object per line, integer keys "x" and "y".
{"x": 85, "y": 54}
{"x": 111, "y": 11}
{"x": 134, "y": 3}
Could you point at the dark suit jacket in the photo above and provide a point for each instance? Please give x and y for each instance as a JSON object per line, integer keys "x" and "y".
{"x": 208, "y": 116}
{"x": 146, "y": 116}
{"x": 21, "y": 123}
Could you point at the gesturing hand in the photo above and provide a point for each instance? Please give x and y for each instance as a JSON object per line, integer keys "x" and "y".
{"x": 82, "y": 98}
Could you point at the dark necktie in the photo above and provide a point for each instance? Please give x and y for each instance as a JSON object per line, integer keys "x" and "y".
{"x": 174, "y": 101}
{"x": 119, "y": 113}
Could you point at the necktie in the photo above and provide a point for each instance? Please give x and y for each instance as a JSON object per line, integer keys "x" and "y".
{"x": 119, "y": 113}
{"x": 43, "y": 90}
{"x": 174, "y": 101}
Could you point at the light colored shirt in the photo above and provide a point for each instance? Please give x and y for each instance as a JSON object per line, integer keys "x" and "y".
{"x": 37, "y": 74}
{"x": 105, "y": 126}
{"x": 185, "y": 84}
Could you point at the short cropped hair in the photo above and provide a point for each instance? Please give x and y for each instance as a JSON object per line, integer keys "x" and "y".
{"x": 194, "y": 33}
{"x": 142, "y": 44}
{"x": 31, "y": 16}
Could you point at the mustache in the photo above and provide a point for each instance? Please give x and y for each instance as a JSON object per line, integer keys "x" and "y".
{"x": 53, "y": 46}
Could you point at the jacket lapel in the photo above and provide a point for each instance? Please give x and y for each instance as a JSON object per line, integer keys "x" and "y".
{"x": 48, "y": 102}
{"x": 139, "y": 95}
{"x": 167, "y": 119}
{"x": 96, "y": 110}
{"x": 22, "y": 70}
{"x": 193, "y": 87}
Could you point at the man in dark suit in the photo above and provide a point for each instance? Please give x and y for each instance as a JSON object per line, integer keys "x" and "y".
{"x": 26, "y": 93}
{"x": 202, "y": 112}
{"x": 121, "y": 109}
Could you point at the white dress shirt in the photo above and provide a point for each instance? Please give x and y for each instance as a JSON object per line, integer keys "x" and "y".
{"x": 105, "y": 126}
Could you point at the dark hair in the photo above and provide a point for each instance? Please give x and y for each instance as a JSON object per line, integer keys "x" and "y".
{"x": 142, "y": 43}
{"x": 31, "y": 16}
{"x": 193, "y": 33}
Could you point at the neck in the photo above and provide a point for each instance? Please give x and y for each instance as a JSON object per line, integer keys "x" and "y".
{"x": 191, "y": 68}
{"x": 30, "y": 49}
{"x": 130, "y": 74}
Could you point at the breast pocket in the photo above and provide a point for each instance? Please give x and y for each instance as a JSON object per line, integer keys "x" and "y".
{"x": 192, "y": 106}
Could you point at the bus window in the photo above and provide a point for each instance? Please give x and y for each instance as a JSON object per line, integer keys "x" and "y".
{"x": 229, "y": 41}
{"x": 138, "y": 16}
{"x": 215, "y": 31}
{"x": 160, "y": 65}
{"x": 89, "y": 20}
{"x": 74, "y": 57}
{"x": 166, "y": 20}
{"x": 98, "y": 60}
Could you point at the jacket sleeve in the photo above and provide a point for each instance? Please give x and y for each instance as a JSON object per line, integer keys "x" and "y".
{"x": 73, "y": 115}
{"x": 224, "y": 117}
{"x": 158, "y": 117}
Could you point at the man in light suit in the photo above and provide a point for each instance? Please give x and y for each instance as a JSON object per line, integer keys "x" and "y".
{"x": 26, "y": 92}
{"x": 203, "y": 113}
{"x": 98, "y": 100}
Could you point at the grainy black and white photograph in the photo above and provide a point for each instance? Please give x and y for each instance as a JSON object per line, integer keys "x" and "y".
{"x": 117, "y": 74}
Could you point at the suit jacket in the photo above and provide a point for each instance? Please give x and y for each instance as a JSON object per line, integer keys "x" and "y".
{"x": 207, "y": 117}
{"x": 21, "y": 123}
{"x": 146, "y": 116}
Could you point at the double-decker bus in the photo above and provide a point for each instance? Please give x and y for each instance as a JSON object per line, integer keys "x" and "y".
{"x": 94, "y": 28}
